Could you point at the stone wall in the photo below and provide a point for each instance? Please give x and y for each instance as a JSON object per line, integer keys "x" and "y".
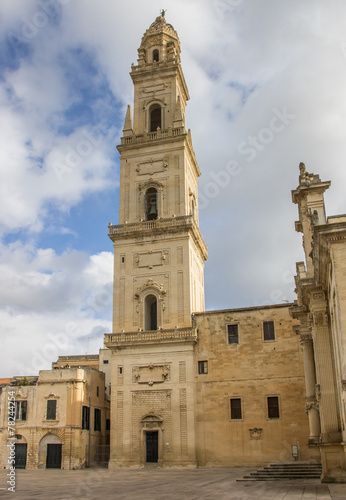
{"x": 251, "y": 370}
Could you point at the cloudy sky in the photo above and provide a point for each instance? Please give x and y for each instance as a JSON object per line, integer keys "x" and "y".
{"x": 267, "y": 82}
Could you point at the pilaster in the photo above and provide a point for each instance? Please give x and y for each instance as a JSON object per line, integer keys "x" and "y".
{"x": 330, "y": 424}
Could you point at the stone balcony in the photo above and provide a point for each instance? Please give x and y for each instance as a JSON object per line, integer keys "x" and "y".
{"x": 152, "y": 136}
{"x": 172, "y": 224}
{"x": 130, "y": 339}
{"x": 144, "y": 226}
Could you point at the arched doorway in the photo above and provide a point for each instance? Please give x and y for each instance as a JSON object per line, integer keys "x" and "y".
{"x": 150, "y": 312}
{"x": 50, "y": 452}
{"x": 155, "y": 117}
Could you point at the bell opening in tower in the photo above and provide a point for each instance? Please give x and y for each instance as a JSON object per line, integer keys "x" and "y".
{"x": 156, "y": 55}
{"x": 151, "y": 204}
{"x": 155, "y": 117}
{"x": 150, "y": 312}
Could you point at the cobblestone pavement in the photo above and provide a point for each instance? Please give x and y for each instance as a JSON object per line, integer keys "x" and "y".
{"x": 163, "y": 484}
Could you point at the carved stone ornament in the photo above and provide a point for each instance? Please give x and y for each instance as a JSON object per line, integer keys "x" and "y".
{"x": 306, "y": 340}
{"x": 151, "y": 421}
{"x": 52, "y": 396}
{"x": 311, "y": 403}
{"x": 151, "y": 374}
{"x": 158, "y": 87}
{"x": 318, "y": 296}
{"x": 318, "y": 392}
{"x": 256, "y": 433}
{"x": 151, "y": 167}
{"x": 320, "y": 319}
{"x": 151, "y": 259}
{"x": 150, "y": 284}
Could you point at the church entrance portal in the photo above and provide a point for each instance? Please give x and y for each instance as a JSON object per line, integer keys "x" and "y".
{"x": 152, "y": 445}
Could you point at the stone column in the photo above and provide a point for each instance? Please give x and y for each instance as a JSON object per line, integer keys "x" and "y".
{"x": 311, "y": 405}
{"x": 330, "y": 425}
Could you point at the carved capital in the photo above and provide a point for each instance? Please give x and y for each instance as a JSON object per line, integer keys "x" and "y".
{"x": 306, "y": 340}
{"x": 311, "y": 403}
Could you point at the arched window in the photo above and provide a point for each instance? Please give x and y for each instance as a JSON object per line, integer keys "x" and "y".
{"x": 156, "y": 55}
{"x": 155, "y": 117}
{"x": 151, "y": 212}
{"x": 150, "y": 312}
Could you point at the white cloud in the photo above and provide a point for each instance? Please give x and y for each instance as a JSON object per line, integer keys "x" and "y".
{"x": 242, "y": 60}
{"x": 51, "y": 300}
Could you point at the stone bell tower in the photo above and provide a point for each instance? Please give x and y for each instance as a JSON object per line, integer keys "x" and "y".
{"x": 159, "y": 257}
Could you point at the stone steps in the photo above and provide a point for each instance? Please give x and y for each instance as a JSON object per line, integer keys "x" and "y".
{"x": 285, "y": 471}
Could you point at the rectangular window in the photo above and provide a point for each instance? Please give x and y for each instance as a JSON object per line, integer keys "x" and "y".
{"x": 268, "y": 330}
{"x": 236, "y": 409}
{"x": 97, "y": 391}
{"x": 232, "y": 331}
{"x": 105, "y": 361}
{"x": 85, "y": 417}
{"x": 51, "y": 409}
{"x": 273, "y": 407}
{"x": 202, "y": 367}
{"x": 97, "y": 419}
{"x": 21, "y": 407}
{"x": 108, "y": 424}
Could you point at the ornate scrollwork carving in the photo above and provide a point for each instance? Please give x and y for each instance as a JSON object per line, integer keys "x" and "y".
{"x": 151, "y": 374}
{"x": 256, "y": 433}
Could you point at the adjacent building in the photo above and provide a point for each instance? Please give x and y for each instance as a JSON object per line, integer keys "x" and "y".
{"x": 321, "y": 311}
{"x": 60, "y": 419}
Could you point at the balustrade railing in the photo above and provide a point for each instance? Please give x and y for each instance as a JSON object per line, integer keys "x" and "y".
{"x": 152, "y": 136}
{"x": 140, "y": 336}
{"x": 149, "y": 225}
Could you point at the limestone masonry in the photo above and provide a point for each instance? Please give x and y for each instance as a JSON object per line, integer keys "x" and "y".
{"x": 187, "y": 387}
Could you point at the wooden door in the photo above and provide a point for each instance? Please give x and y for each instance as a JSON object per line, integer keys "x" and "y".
{"x": 20, "y": 455}
{"x": 152, "y": 442}
{"x": 53, "y": 456}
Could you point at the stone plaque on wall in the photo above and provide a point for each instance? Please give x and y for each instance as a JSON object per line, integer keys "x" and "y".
{"x": 150, "y": 259}
{"x": 151, "y": 374}
{"x": 151, "y": 167}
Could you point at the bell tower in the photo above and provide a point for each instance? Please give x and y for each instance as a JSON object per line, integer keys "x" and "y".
{"x": 159, "y": 256}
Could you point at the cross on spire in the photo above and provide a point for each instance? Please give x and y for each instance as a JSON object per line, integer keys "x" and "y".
{"x": 163, "y": 12}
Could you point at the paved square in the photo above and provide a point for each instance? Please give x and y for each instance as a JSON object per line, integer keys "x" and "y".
{"x": 163, "y": 484}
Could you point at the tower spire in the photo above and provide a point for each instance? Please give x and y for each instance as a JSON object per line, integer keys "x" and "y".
{"x": 128, "y": 128}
